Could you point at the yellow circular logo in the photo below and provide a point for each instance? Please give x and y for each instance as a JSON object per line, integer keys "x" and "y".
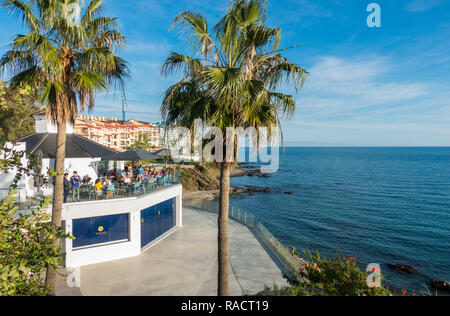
{"x": 100, "y": 229}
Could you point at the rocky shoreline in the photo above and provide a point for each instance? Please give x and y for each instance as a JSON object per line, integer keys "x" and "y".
{"x": 202, "y": 183}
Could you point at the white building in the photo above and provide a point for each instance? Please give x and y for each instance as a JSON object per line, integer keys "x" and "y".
{"x": 82, "y": 155}
{"x": 106, "y": 227}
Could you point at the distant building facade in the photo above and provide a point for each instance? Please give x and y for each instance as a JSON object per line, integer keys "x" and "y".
{"x": 113, "y": 133}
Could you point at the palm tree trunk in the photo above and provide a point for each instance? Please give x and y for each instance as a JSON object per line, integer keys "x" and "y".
{"x": 224, "y": 202}
{"x": 58, "y": 189}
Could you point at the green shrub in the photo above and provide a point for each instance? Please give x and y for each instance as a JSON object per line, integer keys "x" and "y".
{"x": 26, "y": 239}
{"x": 321, "y": 276}
{"x": 26, "y": 249}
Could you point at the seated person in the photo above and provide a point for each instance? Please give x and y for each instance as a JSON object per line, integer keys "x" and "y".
{"x": 127, "y": 179}
{"x": 86, "y": 179}
{"x": 106, "y": 183}
{"x": 121, "y": 179}
{"x": 98, "y": 185}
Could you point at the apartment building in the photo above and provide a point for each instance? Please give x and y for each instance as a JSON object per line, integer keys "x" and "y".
{"x": 113, "y": 133}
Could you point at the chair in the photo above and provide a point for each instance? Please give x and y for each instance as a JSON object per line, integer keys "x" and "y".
{"x": 138, "y": 187}
{"x": 151, "y": 184}
{"x": 93, "y": 192}
{"x": 121, "y": 189}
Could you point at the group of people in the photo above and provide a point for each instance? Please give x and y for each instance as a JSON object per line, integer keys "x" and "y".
{"x": 141, "y": 174}
{"x": 74, "y": 184}
{"x": 134, "y": 175}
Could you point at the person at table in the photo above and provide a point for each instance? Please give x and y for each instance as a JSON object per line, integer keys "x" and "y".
{"x": 67, "y": 186}
{"x": 98, "y": 185}
{"x": 121, "y": 179}
{"x": 127, "y": 179}
{"x": 86, "y": 179}
{"x": 98, "y": 188}
{"x": 163, "y": 171}
{"x": 106, "y": 183}
{"x": 140, "y": 170}
{"x": 75, "y": 180}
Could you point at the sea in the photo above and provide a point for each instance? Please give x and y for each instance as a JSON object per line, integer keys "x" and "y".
{"x": 379, "y": 205}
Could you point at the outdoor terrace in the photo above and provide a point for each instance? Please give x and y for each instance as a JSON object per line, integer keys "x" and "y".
{"x": 88, "y": 192}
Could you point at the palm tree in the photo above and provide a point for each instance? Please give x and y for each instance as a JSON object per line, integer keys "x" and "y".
{"x": 230, "y": 83}
{"x": 68, "y": 64}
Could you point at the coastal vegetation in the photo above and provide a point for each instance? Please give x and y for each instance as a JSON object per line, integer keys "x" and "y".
{"x": 231, "y": 82}
{"x": 16, "y": 105}
{"x": 67, "y": 64}
{"x": 321, "y": 276}
{"x": 27, "y": 240}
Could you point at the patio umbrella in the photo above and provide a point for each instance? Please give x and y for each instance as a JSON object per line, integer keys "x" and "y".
{"x": 131, "y": 155}
{"x": 163, "y": 153}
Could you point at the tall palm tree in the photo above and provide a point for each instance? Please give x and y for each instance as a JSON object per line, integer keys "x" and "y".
{"x": 231, "y": 82}
{"x": 68, "y": 64}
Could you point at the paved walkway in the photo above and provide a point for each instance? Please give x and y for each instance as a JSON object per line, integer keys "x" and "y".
{"x": 185, "y": 264}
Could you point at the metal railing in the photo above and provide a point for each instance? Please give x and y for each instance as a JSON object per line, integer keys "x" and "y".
{"x": 121, "y": 191}
{"x": 289, "y": 263}
{"x": 19, "y": 195}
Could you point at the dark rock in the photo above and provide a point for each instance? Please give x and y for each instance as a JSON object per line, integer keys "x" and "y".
{"x": 250, "y": 174}
{"x": 441, "y": 285}
{"x": 258, "y": 190}
{"x": 288, "y": 193}
{"x": 264, "y": 175}
{"x": 402, "y": 268}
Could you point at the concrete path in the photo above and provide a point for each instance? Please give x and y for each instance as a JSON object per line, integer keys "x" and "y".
{"x": 185, "y": 264}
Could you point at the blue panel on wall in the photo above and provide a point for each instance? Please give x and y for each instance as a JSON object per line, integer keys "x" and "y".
{"x": 117, "y": 227}
{"x": 152, "y": 224}
{"x": 157, "y": 220}
{"x": 99, "y": 230}
{"x": 82, "y": 231}
{"x": 174, "y": 212}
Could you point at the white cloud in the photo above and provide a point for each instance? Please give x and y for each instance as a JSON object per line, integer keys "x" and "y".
{"x": 339, "y": 86}
{"x": 421, "y": 5}
{"x": 370, "y": 100}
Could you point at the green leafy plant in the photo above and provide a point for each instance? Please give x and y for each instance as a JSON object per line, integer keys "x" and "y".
{"x": 16, "y": 105}
{"x": 26, "y": 248}
{"x": 27, "y": 238}
{"x": 321, "y": 276}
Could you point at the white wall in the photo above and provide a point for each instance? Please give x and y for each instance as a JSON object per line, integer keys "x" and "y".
{"x": 6, "y": 179}
{"x": 44, "y": 126}
{"x": 131, "y": 206}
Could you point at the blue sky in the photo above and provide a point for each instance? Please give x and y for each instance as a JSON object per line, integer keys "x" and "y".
{"x": 385, "y": 86}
